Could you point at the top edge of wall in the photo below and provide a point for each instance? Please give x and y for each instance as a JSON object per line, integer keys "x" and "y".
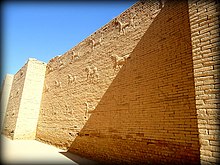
{"x": 35, "y": 60}
{"x": 103, "y": 27}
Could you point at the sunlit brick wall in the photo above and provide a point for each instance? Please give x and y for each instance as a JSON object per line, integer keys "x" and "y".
{"x": 204, "y": 21}
{"x": 24, "y": 102}
{"x": 76, "y": 81}
{"x": 31, "y": 99}
{"x": 14, "y": 102}
{"x": 5, "y": 93}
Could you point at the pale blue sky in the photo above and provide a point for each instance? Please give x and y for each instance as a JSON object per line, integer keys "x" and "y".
{"x": 43, "y": 30}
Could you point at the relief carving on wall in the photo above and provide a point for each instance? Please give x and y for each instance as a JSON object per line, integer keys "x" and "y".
{"x": 71, "y": 79}
{"x": 49, "y": 69}
{"x": 132, "y": 24}
{"x": 123, "y": 26}
{"x": 68, "y": 109}
{"x": 96, "y": 43}
{"x": 74, "y": 56}
{"x": 119, "y": 61}
{"x": 88, "y": 110}
{"x": 92, "y": 74}
{"x": 61, "y": 64}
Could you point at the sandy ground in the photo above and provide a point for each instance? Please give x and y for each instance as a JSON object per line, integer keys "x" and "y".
{"x": 35, "y": 152}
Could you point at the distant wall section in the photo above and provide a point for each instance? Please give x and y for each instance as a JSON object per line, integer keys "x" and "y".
{"x": 14, "y": 102}
{"x": 6, "y": 89}
{"x": 31, "y": 99}
{"x": 24, "y": 104}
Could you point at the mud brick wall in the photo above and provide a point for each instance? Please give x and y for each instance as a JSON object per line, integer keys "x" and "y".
{"x": 76, "y": 81}
{"x": 204, "y": 21}
{"x": 29, "y": 109}
{"x": 14, "y": 102}
{"x": 5, "y": 93}
{"x": 24, "y": 103}
{"x": 148, "y": 113}
{"x": 157, "y": 103}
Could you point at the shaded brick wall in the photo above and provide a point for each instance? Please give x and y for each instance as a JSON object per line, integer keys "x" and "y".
{"x": 148, "y": 113}
{"x": 70, "y": 91}
{"x": 204, "y": 21}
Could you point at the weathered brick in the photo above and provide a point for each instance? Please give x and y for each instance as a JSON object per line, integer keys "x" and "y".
{"x": 206, "y": 153}
{"x": 216, "y": 154}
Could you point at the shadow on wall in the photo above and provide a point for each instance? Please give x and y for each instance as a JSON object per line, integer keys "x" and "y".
{"x": 148, "y": 113}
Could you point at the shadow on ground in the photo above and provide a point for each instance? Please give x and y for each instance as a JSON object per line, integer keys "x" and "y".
{"x": 78, "y": 159}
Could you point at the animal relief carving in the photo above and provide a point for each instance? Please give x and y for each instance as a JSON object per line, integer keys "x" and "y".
{"x": 74, "y": 56}
{"x": 92, "y": 74}
{"x": 88, "y": 110}
{"x": 96, "y": 43}
{"x": 119, "y": 61}
{"x": 71, "y": 78}
{"x": 123, "y": 26}
{"x": 132, "y": 21}
{"x": 61, "y": 64}
{"x": 49, "y": 68}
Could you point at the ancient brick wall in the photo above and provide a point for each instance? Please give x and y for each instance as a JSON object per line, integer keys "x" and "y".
{"x": 14, "y": 102}
{"x": 76, "y": 81}
{"x": 5, "y": 93}
{"x": 29, "y": 109}
{"x": 204, "y": 21}
{"x": 148, "y": 113}
{"x": 144, "y": 88}
{"x": 24, "y": 103}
